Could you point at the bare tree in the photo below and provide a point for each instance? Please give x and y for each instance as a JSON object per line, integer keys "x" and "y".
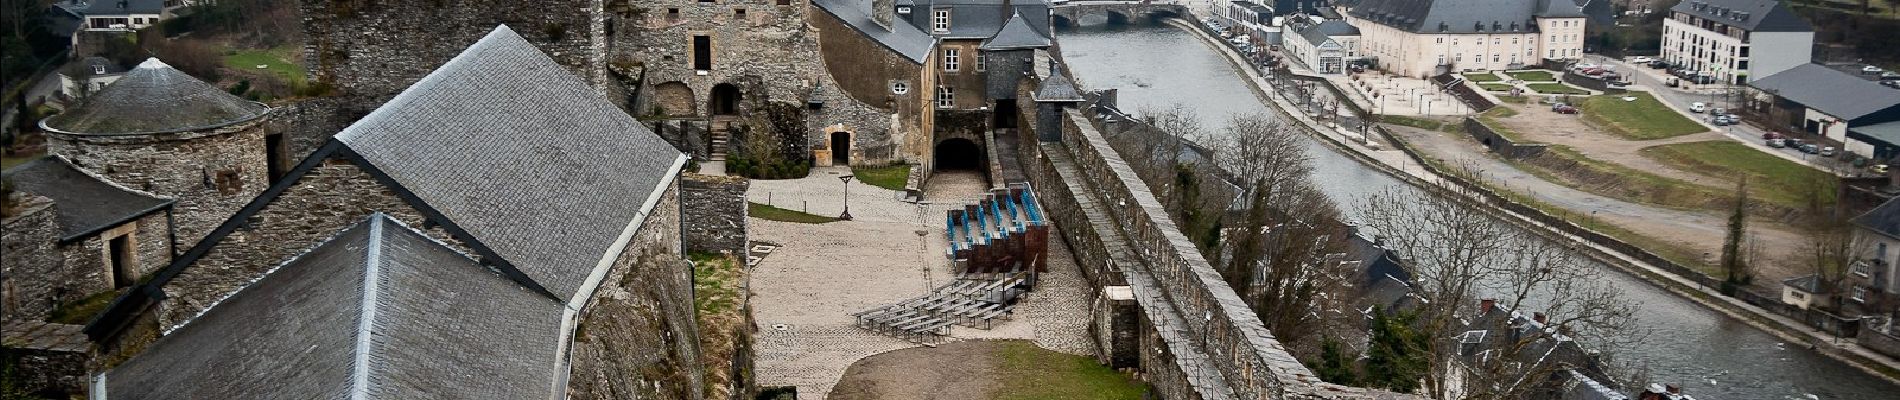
{"x": 1180, "y": 127}
{"x": 1459, "y": 255}
{"x": 1264, "y": 153}
{"x": 1289, "y": 263}
{"x": 1832, "y": 249}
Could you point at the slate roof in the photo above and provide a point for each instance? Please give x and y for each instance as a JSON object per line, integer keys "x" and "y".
{"x": 978, "y": 19}
{"x": 1559, "y": 9}
{"x": 1057, "y": 88}
{"x": 1809, "y": 283}
{"x": 155, "y": 98}
{"x": 1015, "y": 35}
{"x": 84, "y": 203}
{"x": 521, "y": 154}
{"x": 1763, "y": 15}
{"x": 1884, "y": 219}
{"x": 1830, "y": 91}
{"x": 1454, "y": 16}
{"x": 88, "y": 66}
{"x": 112, "y": 7}
{"x": 378, "y": 311}
{"x": 904, "y": 39}
{"x": 1888, "y": 132}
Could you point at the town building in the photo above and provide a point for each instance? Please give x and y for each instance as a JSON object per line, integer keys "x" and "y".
{"x": 1736, "y": 41}
{"x": 1252, "y": 19}
{"x": 119, "y": 15}
{"x": 1874, "y": 279}
{"x": 86, "y": 76}
{"x": 72, "y": 234}
{"x": 1422, "y": 38}
{"x": 1323, "y": 46}
{"x": 1857, "y": 115}
{"x": 452, "y": 243}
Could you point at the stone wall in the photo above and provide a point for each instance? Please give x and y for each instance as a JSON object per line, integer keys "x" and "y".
{"x": 45, "y": 360}
{"x": 210, "y": 173}
{"x": 637, "y": 337}
{"x": 717, "y": 207}
{"x": 309, "y": 123}
{"x": 329, "y": 198}
{"x": 85, "y": 261}
{"x": 1500, "y": 144}
{"x": 857, "y": 94}
{"x": 31, "y": 269}
{"x": 370, "y": 50}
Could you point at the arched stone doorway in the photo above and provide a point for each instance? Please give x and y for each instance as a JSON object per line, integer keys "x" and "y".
{"x": 674, "y": 98}
{"x": 959, "y": 154}
{"x": 841, "y": 148}
{"x": 725, "y": 99}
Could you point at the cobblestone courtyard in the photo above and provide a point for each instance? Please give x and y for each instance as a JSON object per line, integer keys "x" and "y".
{"x": 805, "y": 291}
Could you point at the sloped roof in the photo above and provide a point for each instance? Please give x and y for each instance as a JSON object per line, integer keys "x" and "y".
{"x": 1884, "y": 219}
{"x": 1015, "y": 35}
{"x": 1057, "y": 88}
{"x": 521, "y": 154}
{"x": 1454, "y": 16}
{"x": 1762, "y": 15}
{"x": 1809, "y": 283}
{"x": 155, "y": 98}
{"x": 1559, "y": 9}
{"x": 1829, "y": 90}
{"x": 378, "y": 311}
{"x": 904, "y": 39}
{"x": 978, "y": 19}
{"x": 112, "y": 7}
{"x": 84, "y": 203}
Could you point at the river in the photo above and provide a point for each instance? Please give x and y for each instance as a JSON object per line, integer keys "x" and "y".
{"x": 1712, "y": 356}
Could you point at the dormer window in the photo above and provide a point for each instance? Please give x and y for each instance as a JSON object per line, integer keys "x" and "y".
{"x": 98, "y": 69}
{"x": 903, "y": 10}
{"x": 940, "y": 20}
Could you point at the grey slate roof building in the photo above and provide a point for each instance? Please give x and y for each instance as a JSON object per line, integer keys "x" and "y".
{"x": 904, "y": 39}
{"x": 378, "y": 311}
{"x": 1323, "y": 31}
{"x": 1463, "y": 16}
{"x": 1057, "y": 88}
{"x": 1016, "y": 34}
{"x": 1884, "y": 219}
{"x": 86, "y": 203}
{"x": 1830, "y": 91}
{"x": 111, "y": 7}
{"x": 517, "y": 151}
{"x": 155, "y": 98}
{"x": 977, "y": 19}
{"x": 1750, "y": 15}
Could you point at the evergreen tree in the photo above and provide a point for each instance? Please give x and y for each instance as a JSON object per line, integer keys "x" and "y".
{"x": 1395, "y": 359}
{"x": 1734, "y": 262}
{"x": 1334, "y": 366}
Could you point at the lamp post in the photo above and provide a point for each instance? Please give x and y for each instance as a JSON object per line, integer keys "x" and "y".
{"x": 847, "y": 197}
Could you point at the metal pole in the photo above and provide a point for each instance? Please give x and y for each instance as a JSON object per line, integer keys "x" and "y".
{"x": 846, "y": 216}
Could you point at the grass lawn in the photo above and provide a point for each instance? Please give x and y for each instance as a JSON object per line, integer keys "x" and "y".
{"x": 1555, "y": 88}
{"x": 1482, "y": 77}
{"x": 1643, "y": 119}
{"x": 784, "y": 215}
{"x": 1415, "y": 122}
{"x": 1491, "y": 117}
{"x": 1519, "y": 99}
{"x": 272, "y": 59}
{"x": 891, "y": 177}
{"x": 1533, "y": 76}
{"x": 1769, "y": 178}
{"x": 1033, "y": 373}
{"x": 1495, "y": 87}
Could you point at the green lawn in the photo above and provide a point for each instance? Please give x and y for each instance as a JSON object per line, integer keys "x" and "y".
{"x": 1519, "y": 99}
{"x": 1555, "y": 88}
{"x": 1496, "y": 87}
{"x": 1533, "y": 76}
{"x": 1415, "y": 122}
{"x": 891, "y": 177}
{"x": 1033, "y": 373}
{"x": 1491, "y": 117}
{"x": 272, "y": 59}
{"x": 1770, "y": 178}
{"x": 779, "y": 214}
{"x": 1482, "y": 77}
{"x": 1643, "y": 119}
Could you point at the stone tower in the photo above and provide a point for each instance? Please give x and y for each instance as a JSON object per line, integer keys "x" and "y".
{"x": 164, "y": 132}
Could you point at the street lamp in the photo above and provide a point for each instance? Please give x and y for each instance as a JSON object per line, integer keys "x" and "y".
{"x": 847, "y": 197}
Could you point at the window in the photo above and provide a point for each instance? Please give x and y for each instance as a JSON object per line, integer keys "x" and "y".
{"x": 784, "y": 2}
{"x": 903, "y": 10}
{"x": 99, "y": 69}
{"x": 1798, "y": 295}
{"x": 1552, "y": 53}
{"x": 946, "y": 97}
{"x": 982, "y": 61}
{"x": 1441, "y": 40}
{"x": 702, "y": 53}
{"x": 950, "y": 60}
{"x": 940, "y": 20}
{"x": 738, "y": 14}
{"x": 1860, "y": 294}
{"x": 672, "y": 14}
{"x": 900, "y": 87}
{"x": 1494, "y": 58}
{"x": 1497, "y": 40}
{"x": 1513, "y": 40}
{"x": 1880, "y": 251}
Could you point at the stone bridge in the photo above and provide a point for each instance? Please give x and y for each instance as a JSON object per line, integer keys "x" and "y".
{"x": 1158, "y": 305}
{"x": 1075, "y": 13}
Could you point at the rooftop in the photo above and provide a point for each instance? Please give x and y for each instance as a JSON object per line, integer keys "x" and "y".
{"x": 155, "y": 98}
{"x": 1464, "y": 16}
{"x": 904, "y": 39}
{"x": 84, "y": 203}
{"x": 377, "y": 311}
{"x": 112, "y": 7}
{"x": 1751, "y": 15}
{"x": 524, "y": 156}
{"x": 978, "y": 19}
{"x": 1831, "y": 91}
{"x": 1016, "y": 35}
{"x": 1884, "y": 219}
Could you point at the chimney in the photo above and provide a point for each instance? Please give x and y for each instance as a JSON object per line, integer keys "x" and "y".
{"x": 1673, "y": 389}
{"x": 884, "y": 12}
{"x": 1487, "y": 305}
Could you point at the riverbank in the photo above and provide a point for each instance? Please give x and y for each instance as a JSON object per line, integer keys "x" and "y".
{"x": 1395, "y": 160}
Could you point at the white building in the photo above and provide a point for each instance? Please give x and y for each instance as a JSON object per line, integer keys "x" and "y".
{"x": 1736, "y": 41}
{"x": 119, "y": 15}
{"x": 1324, "y": 47}
{"x": 1830, "y": 105}
{"x": 1422, "y": 38}
{"x": 88, "y": 76}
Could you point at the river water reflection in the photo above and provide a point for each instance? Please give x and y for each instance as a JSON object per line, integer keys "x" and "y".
{"x": 1711, "y": 356}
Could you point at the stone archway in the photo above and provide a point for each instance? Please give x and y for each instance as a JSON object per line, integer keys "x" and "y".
{"x": 959, "y": 154}
{"x": 1118, "y": 18}
{"x": 724, "y": 100}
{"x": 674, "y": 99}
{"x": 1060, "y": 20}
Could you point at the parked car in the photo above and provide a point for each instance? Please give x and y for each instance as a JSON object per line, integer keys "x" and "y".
{"x": 1878, "y": 169}
{"x": 1827, "y": 151}
{"x": 1639, "y": 60}
{"x": 1704, "y": 79}
{"x": 1658, "y": 64}
{"x": 1718, "y": 111}
{"x": 1583, "y": 66}
{"x": 1771, "y": 135}
{"x": 1564, "y": 109}
{"x": 1723, "y": 120}
{"x": 1698, "y": 107}
{"x": 1777, "y": 143}
{"x": 1810, "y": 148}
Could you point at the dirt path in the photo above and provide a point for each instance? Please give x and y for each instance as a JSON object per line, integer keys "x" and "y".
{"x": 959, "y": 371}
{"x": 1539, "y": 124}
{"x": 1697, "y": 231}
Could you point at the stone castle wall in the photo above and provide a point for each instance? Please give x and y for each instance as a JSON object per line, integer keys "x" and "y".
{"x": 371, "y": 50}
{"x": 857, "y": 94}
{"x": 32, "y": 265}
{"x": 769, "y": 43}
{"x": 637, "y": 337}
{"x": 717, "y": 207}
{"x": 309, "y": 123}
{"x": 210, "y": 173}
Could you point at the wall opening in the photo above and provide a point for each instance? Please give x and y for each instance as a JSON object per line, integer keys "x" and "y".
{"x": 725, "y": 99}
{"x": 673, "y": 99}
{"x": 274, "y": 155}
{"x": 1116, "y": 18}
{"x": 119, "y": 258}
{"x": 1061, "y": 21}
{"x": 959, "y": 154}
{"x": 1005, "y": 114}
{"x": 702, "y": 53}
{"x": 841, "y": 148}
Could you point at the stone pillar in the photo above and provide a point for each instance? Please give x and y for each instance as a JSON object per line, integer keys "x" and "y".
{"x": 884, "y": 12}
{"x": 1117, "y": 328}
{"x": 716, "y": 205}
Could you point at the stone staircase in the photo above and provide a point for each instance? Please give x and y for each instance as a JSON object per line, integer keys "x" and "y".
{"x": 1004, "y": 232}
{"x": 720, "y": 136}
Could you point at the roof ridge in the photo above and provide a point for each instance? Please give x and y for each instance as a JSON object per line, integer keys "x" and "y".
{"x": 366, "y": 316}
{"x": 494, "y": 37}
{"x": 267, "y": 273}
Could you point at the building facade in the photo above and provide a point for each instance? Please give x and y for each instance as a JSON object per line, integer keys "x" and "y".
{"x": 1875, "y": 279}
{"x": 1833, "y": 107}
{"x": 1323, "y": 46}
{"x": 1408, "y": 38}
{"x": 1736, "y": 41}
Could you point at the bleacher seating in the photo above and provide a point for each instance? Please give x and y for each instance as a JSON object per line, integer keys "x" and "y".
{"x": 1000, "y": 232}
{"x": 975, "y": 300}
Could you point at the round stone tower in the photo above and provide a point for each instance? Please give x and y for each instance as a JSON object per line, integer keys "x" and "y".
{"x": 159, "y": 130}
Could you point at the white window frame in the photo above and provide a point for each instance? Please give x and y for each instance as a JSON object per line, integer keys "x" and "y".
{"x": 940, "y": 20}
{"x": 952, "y": 59}
{"x": 905, "y": 10}
{"x": 900, "y": 87}
{"x": 982, "y": 61}
{"x": 946, "y": 97}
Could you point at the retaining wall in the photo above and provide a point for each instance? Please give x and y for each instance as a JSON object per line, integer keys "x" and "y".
{"x": 1500, "y": 144}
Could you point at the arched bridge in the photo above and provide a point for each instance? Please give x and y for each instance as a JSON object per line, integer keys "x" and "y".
{"x": 1100, "y": 12}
